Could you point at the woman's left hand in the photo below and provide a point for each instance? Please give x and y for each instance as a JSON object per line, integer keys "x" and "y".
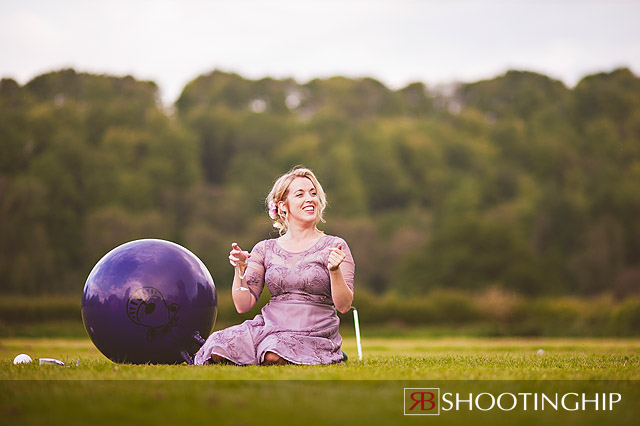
{"x": 336, "y": 256}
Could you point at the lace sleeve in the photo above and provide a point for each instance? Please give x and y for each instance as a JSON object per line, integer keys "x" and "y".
{"x": 255, "y": 270}
{"x": 348, "y": 266}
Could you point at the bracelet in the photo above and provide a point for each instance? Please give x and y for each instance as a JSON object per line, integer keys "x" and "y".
{"x": 241, "y": 289}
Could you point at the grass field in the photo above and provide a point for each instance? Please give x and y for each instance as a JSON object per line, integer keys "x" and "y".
{"x": 401, "y": 358}
{"x": 370, "y": 391}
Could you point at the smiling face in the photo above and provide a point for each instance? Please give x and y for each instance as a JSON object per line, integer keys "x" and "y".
{"x": 301, "y": 203}
{"x": 300, "y": 190}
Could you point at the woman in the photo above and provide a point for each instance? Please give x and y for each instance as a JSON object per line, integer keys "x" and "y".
{"x": 309, "y": 275}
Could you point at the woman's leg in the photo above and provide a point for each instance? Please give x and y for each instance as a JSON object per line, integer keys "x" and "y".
{"x": 217, "y": 359}
{"x": 271, "y": 358}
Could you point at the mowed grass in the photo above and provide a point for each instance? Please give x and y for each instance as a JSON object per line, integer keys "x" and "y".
{"x": 400, "y": 358}
{"x": 367, "y": 392}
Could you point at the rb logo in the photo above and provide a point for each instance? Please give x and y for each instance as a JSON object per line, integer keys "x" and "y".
{"x": 421, "y": 401}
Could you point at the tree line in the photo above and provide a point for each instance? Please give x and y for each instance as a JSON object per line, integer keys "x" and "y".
{"x": 518, "y": 182}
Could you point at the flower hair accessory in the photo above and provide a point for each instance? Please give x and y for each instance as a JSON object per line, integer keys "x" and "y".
{"x": 273, "y": 210}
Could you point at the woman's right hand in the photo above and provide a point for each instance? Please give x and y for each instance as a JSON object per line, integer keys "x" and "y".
{"x": 237, "y": 256}
{"x": 242, "y": 298}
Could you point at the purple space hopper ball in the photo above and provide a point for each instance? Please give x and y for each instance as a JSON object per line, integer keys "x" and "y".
{"x": 149, "y": 301}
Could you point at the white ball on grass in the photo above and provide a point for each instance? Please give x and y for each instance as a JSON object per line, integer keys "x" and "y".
{"x": 22, "y": 359}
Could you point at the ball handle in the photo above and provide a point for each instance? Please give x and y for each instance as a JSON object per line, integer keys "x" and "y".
{"x": 187, "y": 358}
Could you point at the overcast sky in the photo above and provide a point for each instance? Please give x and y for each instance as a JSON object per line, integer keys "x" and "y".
{"x": 394, "y": 41}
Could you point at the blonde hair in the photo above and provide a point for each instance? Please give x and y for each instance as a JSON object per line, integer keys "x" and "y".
{"x": 280, "y": 191}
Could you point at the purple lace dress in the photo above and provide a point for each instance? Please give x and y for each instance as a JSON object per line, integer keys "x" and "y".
{"x": 300, "y": 322}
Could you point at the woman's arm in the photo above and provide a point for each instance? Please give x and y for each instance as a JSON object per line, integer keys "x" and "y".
{"x": 340, "y": 292}
{"x": 247, "y": 279}
{"x": 242, "y": 297}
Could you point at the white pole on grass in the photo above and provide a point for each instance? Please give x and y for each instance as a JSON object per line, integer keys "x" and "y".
{"x": 356, "y": 324}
